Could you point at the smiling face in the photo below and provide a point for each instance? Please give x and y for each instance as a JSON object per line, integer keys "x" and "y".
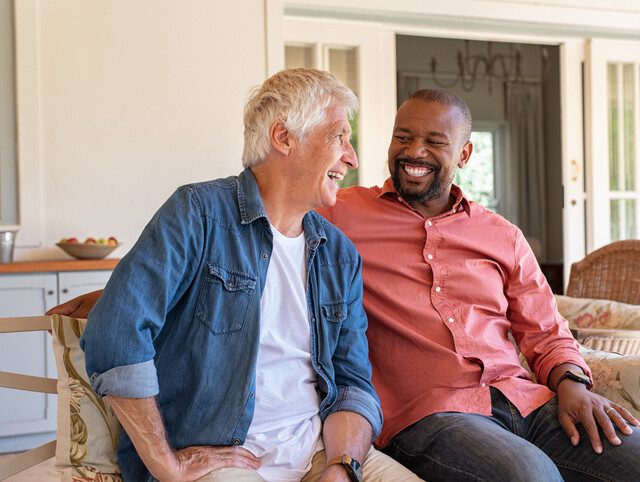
{"x": 426, "y": 150}
{"x": 324, "y": 157}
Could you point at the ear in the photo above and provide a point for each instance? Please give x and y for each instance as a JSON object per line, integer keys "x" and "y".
{"x": 465, "y": 154}
{"x": 280, "y": 137}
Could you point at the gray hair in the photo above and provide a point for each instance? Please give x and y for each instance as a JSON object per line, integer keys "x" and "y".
{"x": 449, "y": 99}
{"x": 297, "y": 97}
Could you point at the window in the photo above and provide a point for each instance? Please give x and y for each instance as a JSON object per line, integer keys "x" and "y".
{"x": 341, "y": 61}
{"x": 482, "y": 179}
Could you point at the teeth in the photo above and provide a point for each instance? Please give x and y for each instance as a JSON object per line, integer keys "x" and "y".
{"x": 336, "y": 176}
{"x": 416, "y": 171}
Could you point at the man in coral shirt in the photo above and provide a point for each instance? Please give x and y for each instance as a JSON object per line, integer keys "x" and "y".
{"x": 445, "y": 283}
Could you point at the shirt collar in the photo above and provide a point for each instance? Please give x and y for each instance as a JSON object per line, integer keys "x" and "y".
{"x": 251, "y": 208}
{"x": 461, "y": 200}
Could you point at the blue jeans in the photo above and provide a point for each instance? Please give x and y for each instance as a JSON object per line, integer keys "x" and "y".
{"x": 506, "y": 446}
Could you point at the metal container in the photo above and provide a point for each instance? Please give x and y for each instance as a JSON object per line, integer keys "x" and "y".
{"x": 7, "y": 242}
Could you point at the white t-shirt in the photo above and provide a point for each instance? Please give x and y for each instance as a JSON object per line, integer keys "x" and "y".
{"x": 286, "y": 428}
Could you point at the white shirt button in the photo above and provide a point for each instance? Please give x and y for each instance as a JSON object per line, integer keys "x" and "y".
{"x": 451, "y": 320}
{"x": 429, "y": 223}
{"x": 430, "y": 256}
{"x": 482, "y": 385}
{"x": 438, "y": 289}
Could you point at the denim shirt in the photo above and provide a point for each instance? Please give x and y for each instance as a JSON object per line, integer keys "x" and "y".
{"x": 179, "y": 318}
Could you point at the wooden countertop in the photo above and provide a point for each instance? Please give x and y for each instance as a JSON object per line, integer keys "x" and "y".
{"x": 59, "y": 265}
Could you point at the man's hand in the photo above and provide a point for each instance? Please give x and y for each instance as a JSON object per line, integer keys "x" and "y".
{"x": 195, "y": 462}
{"x": 78, "y": 307}
{"x": 576, "y": 404}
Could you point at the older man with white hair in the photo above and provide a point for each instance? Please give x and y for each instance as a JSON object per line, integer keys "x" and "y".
{"x": 230, "y": 341}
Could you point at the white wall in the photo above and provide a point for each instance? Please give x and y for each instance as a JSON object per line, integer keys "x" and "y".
{"x": 133, "y": 99}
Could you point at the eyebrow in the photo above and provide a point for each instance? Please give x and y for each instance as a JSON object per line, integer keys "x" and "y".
{"x": 429, "y": 133}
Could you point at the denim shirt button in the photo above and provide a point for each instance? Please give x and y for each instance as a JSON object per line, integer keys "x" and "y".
{"x": 313, "y": 319}
{"x": 94, "y": 377}
{"x": 265, "y": 256}
{"x": 236, "y": 441}
{"x": 252, "y": 395}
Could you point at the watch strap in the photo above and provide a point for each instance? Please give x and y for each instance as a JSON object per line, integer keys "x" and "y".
{"x": 351, "y": 465}
{"x": 576, "y": 377}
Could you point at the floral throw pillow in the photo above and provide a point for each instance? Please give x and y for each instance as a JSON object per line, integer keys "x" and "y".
{"x": 616, "y": 377}
{"x": 604, "y": 314}
{"x": 87, "y": 427}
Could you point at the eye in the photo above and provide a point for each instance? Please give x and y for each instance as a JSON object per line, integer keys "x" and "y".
{"x": 434, "y": 142}
{"x": 400, "y": 138}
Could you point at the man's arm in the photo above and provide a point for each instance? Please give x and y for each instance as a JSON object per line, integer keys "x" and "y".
{"x": 576, "y": 404}
{"x": 141, "y": 419}
{"x": 78, "y": 307}
{"x": 344, "y": 433}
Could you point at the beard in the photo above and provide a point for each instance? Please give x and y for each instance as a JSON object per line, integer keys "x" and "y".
{"x": 433, "y": 190}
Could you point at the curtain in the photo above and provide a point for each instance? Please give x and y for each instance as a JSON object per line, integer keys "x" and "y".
{"x": 524, "y": 114}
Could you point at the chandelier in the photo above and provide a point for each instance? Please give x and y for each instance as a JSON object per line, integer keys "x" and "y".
{"x": 490, "y": 67}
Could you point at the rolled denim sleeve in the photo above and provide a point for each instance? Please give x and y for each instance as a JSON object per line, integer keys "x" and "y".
{"x": 146, "y": 284}
{"x": 351, "y": 362}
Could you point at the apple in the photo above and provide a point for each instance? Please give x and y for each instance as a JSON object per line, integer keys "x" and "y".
{"x": 89, "y": 240}
{"x": 112, "y": 241}
{"x": 102, "y": 241}
{"x": 70, "y": 241}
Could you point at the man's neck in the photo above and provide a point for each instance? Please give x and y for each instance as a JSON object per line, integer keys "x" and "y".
{"x": 435, "y": 207}
{"x": 284, "y": 213}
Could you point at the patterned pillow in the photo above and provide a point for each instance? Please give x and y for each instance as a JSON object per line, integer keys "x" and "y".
{"x": 607, "y": 314}
{"x": 87, "y": 428}
{"x": 616, "y": 377}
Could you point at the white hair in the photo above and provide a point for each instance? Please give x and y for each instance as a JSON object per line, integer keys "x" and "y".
{"x": 297, "y": 97}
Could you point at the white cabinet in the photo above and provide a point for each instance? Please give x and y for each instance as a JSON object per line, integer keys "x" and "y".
{"x": 28, "y": 418}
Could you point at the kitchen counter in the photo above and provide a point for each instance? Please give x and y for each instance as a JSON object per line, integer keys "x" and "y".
{"x": 59, "y": 265}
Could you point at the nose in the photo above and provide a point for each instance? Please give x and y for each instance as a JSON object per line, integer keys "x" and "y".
{"x": 415, "y": 150}
{"x": 349, "y": 157}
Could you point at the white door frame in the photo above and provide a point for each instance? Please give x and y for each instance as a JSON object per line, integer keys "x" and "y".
{"x": 571, "y": 59}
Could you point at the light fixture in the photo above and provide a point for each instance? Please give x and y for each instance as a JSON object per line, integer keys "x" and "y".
{"x": 490, "y": 67}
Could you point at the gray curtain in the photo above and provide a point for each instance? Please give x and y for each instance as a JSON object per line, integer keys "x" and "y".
{"x": 524, "y": 113}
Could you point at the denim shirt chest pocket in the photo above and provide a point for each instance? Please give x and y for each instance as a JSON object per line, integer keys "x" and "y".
{"x": 224, "y": 298}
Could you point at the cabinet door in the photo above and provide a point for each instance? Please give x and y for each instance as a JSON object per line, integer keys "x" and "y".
{"x": 24, "y": 413}
{"x": 76, "y": 283}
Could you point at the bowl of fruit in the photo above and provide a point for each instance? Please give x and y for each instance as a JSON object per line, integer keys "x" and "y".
{"x": 91, "y": 248}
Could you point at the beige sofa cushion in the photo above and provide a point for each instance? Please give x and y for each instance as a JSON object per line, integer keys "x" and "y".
{"x": 603, "y": 314}
{"x": 87, "y": 428}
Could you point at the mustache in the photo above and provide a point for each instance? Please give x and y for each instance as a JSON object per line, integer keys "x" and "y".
{"x": 434, "y": 166}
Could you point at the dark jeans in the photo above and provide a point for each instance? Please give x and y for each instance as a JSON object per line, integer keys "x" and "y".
{"x": 505, "y": 446}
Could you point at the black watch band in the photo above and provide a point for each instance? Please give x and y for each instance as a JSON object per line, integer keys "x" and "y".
{"x": 576, "y": 377}
{"x": 351, "y": 465}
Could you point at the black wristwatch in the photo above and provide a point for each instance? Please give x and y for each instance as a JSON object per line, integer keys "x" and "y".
{"x": 576, "y": 377}
{"x": 351, "y": 465}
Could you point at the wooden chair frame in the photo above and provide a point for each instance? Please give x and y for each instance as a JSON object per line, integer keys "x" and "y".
{"x": 31, "y": 383}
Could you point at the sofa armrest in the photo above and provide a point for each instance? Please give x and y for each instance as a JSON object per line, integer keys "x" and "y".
{"x": 623, "y": 342}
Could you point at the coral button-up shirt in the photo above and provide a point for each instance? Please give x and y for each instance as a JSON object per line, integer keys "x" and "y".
{"x": 442, "y": 295}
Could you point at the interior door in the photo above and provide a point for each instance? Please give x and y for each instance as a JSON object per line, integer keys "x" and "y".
{"x": 363, "y": 57}
{"x": 612, "y": 140}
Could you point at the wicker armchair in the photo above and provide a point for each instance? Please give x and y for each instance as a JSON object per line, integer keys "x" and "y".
{"x": 611, "y": 273}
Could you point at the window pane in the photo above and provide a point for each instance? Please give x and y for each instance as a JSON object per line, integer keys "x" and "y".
{"x": 629, "y": 126}
{"x": 297, "y": 56}
{"x": 343, "y": 63}
{"x": 615, "y": 219}
{"x": 630, "y": 218}
{"x": 614, "y": 155}
{"x": 477, "y": 177}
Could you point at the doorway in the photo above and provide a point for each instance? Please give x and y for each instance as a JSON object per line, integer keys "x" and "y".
{"x": 513, "y": 91}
